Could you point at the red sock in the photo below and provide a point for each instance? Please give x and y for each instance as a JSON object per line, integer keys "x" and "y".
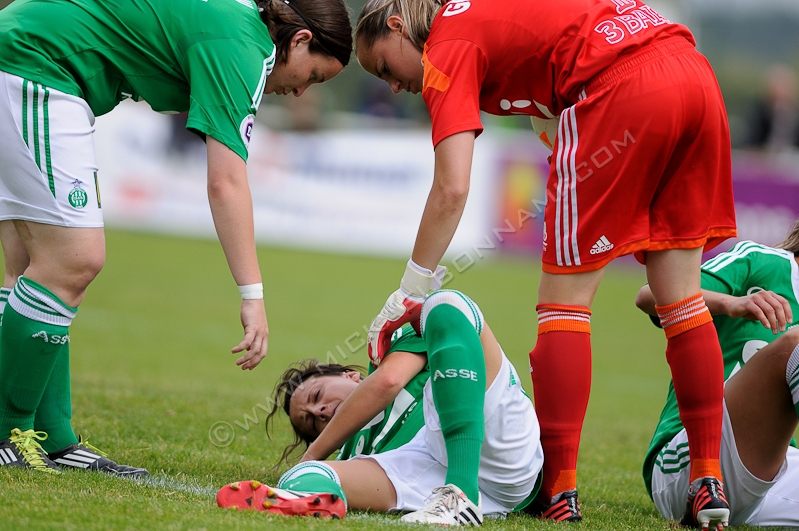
{"x": 561, "y": 372}
{"x": 697, "y": 370}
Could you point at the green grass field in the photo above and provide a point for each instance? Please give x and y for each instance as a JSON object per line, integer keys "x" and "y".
{"x": 152, "y": 375}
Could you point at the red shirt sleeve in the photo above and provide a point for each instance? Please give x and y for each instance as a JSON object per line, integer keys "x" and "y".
{"x": 453, "y": 74}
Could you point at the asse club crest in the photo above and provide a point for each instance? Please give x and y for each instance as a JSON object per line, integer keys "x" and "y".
{"x": 78, "y": 196}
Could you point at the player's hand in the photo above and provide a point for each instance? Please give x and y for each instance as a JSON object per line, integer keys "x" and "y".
{"x": 400, "y": 308}
{"x": 256, "y": 334}
{"x": 307, "y": 456}
{"x": 772, "y": 310}
{"x": 403, "y": 306}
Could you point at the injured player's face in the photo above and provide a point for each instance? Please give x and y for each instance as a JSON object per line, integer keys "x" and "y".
{"x": 316, "y": 400}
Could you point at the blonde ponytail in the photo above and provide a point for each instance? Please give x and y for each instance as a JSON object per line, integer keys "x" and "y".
{"x": 791, "y": 241}
{"x": 416, "y": 14}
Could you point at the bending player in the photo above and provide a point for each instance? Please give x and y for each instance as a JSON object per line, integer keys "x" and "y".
{"x": 641, "y": 164}
{"x": 462, "y": 432}
{"x": 65, "y": 62}
{"x": 752, "y": 291}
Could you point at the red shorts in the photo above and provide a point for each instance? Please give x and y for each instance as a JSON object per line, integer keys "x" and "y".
{"x": 640, "y": 163}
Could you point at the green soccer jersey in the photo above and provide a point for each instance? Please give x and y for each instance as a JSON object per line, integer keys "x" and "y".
{"x": 402, "y": 420}
{"x": 747, "y": 268}
{"x": 208, "y": 57}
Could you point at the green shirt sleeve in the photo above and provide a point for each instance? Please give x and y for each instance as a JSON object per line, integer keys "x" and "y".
{"x": 405, "y": 339}
{"x": 729, "y": 272}
{"x": 227, "y": 79}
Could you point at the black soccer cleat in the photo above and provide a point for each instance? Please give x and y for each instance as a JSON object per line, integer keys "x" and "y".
{"x": 706, "y": 505}
{"x": 564, "y": 507}
{"x": 86, "y": 457}
{"x": 23, "y": 449}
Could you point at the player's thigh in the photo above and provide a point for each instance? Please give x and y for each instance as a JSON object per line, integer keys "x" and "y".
{"x": 573, "y": 289}
{"x": 780, "y": 505}
{"x": 673, "y": 274}
{"x": 365, "y": 484}
{"x": 63, "y": 259}
{"x": 671, "y": 474}
{"x": 760, "y": 407}
{"x": 15, "y": 256}
{"x": 48, "y": 170}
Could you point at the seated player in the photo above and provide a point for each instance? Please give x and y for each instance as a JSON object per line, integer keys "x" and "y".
{"x": 752, "y": 291}
{"x": 441, "y": 427}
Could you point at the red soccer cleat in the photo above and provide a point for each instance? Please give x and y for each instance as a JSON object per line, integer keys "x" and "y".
{"x": 564, "y": 507}
{"x": 706, "y": 505}
{"x": 256, "y": 496}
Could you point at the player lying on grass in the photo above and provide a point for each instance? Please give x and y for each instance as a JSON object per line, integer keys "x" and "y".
{"x": 752, "y": 291}
{"x": 441, "y": 427}
{"x": 63, "y": 62}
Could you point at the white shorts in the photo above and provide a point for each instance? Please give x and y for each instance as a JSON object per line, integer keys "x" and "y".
{"x": 48, "y": 169}
{"x": 752, "y": 500}
{"x": 510, "y": 461}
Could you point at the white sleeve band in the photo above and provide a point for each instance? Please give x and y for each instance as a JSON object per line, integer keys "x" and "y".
{"x": 252, "y": 291}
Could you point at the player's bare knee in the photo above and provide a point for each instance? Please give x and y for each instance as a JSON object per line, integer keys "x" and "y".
{"x": 790, "y": 340}
{"x": 457, "y": 300}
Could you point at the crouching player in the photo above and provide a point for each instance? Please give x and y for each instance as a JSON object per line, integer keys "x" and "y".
{"x": 752, "y": 292}
{"x": 472, "y": 448}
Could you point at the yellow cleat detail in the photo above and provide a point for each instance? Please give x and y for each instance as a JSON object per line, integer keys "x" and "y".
{"x": 255, "y": 484}
{"x": 235, "y": 486}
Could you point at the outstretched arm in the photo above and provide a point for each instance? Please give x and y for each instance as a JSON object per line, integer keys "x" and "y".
{"x": 369, "y": 398}
{"x": 441, "y": 216}
{"x": 231, "y": 207}
{"x": 447, "y": 199}
{"x": 772, "y": 310}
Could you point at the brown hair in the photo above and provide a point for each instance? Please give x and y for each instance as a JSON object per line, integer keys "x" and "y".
{"x": 327, "y": 20}
{"x": 417, "y": 15}
{"x": 791, "y": 241}
{"x": 289, "y": 381}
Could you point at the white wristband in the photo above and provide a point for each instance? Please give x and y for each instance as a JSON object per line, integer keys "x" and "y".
{"x": 252, "y": 291}
{"x": 416, "y": 280}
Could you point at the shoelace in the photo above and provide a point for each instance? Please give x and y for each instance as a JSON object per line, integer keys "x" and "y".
{"x": 92, "y": 447}
{"x": 446, "y": 502}
{"x": 28, "y": 446}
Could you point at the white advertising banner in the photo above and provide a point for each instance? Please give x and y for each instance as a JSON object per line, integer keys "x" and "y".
{"x": 357, "y": 191}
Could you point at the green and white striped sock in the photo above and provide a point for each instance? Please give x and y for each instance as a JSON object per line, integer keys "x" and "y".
{"x": 312, "y": 476}
{"x": 792, "y": 377}
{"x": 4, "y": 293}
{"x": 35, "y": 331}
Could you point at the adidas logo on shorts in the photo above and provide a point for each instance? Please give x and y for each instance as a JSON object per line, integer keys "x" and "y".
{"x": 602, "y": 245}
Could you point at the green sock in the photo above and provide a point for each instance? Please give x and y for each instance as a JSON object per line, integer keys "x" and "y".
{"x": 4, "y": 292}
{"x": 312, "y": 476}
{"x": 792, "y": 377}
{"x": 54, "y": 414}
{"x": 457, "y": 368}
{"x": 35, "y": 330}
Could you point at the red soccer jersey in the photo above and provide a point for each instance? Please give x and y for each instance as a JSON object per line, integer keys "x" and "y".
{"x": 526, "y": 56}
